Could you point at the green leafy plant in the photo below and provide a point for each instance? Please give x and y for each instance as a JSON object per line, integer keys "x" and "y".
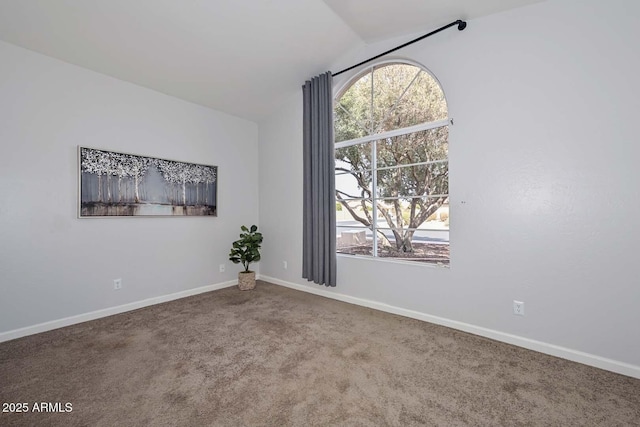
{"x": 247, "y": 249}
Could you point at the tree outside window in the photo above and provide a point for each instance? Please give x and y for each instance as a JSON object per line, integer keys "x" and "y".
{"x": 392, "y": 169}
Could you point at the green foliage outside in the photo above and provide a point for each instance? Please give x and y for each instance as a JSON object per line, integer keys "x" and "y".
{"x": 393, "y": 97}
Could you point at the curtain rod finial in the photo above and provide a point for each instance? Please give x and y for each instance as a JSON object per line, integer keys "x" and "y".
{"x": 461, "y": 25}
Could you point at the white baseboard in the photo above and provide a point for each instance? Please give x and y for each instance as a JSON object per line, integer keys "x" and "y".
{"x": 541, "y": 347}
{"x": 68, "y": 321}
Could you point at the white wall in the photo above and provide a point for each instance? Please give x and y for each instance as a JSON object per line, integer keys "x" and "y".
{"x": 53, "y": 265}
{"x": 544, "y": 185}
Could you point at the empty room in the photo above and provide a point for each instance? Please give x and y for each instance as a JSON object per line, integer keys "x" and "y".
{"x": 319, "y": 213}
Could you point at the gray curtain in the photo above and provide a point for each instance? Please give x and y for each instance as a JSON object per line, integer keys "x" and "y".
{"x": 319, "y": 215}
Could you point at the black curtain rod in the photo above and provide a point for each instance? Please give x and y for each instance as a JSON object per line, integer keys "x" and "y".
{"x": 461, "y": 26}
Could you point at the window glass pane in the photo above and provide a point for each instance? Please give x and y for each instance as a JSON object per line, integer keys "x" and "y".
{"x": 420, "y": 212}
{"x": 354, "y": 157}
{"x": 352, "y": 112}
{"x": 348, "y": 185}
{"x": 424, "y": 146}
{"x": 354, "y": 240}
{"x": 418, "y": 180}
{"x": 354, "y": 178}
{"x": 404, "y": 95}
{"x": 352, "y": 213}
{"x": 419, "y": 245}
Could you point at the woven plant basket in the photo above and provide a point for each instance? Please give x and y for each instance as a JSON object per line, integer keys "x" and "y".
{"x": 246, "y": 280}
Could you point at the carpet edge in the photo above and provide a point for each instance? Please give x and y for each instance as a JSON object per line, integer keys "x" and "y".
{"x": 593, "y": 360}
{"x": 110, "y": 311}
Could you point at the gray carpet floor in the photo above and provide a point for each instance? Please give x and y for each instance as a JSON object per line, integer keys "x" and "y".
{"x": 279, "y": 357}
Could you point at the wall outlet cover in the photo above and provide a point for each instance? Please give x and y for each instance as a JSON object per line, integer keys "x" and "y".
{"x": 518, "y": 308}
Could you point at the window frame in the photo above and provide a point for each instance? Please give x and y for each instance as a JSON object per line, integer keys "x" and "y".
{"x": 373, "y": 138}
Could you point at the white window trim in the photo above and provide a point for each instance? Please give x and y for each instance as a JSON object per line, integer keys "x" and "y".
{"x": 382, "y": 135}
{"x": 396, "y": 132}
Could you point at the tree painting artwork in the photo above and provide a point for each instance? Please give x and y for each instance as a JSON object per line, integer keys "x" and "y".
{"x": 118, "y": 184}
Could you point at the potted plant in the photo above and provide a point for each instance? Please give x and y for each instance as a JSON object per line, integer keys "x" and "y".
{"x": 246, "y": 250}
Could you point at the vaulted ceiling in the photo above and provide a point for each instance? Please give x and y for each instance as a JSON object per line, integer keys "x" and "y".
{"x": 242, "y": 57}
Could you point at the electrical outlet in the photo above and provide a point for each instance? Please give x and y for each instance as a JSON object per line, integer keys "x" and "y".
{"x": 117, "y": 284}
{"x": 518, "y": 308}
{"x": 284, "y": 264}
{"x": 222, "y": 268}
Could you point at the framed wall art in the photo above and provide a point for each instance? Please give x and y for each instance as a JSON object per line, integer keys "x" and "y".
{"x": 115, "y": 184}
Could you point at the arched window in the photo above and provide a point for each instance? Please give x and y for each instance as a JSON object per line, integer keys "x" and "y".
{"x": 391, "y": 150}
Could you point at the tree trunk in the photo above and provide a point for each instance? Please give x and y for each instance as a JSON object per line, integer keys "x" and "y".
{"x": 184, "y": 192}
{"x": 137, "y": 191}
{"x": 109, "y": 188}
{"x": 100, "y": 188}
{"x": 407, "y": 245}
